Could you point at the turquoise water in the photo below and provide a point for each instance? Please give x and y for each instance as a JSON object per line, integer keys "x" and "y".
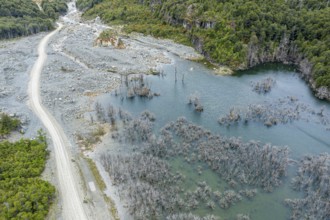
{"x": 218, "y": 94}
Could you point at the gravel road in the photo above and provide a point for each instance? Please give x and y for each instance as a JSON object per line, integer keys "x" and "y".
{"x": 72, "y": 203}
{"x": 74, "y": 72}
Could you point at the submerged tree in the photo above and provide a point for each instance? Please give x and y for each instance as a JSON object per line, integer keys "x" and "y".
{"x": 264, "y": 86}
{"x": 194, "y": 100}
{"x": 313, "y": 178}
{"x": 281, "y": 111}
{"x": 135, "y": 85}
{"x": 152, "y": 189}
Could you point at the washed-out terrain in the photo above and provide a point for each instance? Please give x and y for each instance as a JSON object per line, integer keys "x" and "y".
{"x": 76, "y": 71}
{"x": 80, "y": 69}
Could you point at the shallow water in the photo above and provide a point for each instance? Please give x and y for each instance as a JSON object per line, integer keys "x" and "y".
{"x": 218, "y": 94}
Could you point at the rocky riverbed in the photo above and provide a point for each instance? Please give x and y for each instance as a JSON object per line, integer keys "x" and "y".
{"x": 76, "y": 72}
{"x": 17, "y": 57}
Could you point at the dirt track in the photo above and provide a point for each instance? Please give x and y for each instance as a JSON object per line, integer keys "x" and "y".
{"x": 60, "y": 82}
{"x": 72, "y": 203}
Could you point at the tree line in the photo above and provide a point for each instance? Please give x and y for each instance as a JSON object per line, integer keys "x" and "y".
{"x": 86, "y": 4}
{"x": 23, "y": 17}
{"x": 227, "y": 31}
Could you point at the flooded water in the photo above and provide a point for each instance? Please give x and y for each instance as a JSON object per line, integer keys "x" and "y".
{"x": 218, "y": 94}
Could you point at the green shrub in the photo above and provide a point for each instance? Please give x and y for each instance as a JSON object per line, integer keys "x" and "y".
{"x": 8, "y": 124}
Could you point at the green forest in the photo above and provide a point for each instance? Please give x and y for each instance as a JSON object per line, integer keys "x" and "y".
{"x": 227, "y": 32}
{"x": 23, "y": 195}
{"x": 23, "y": 17}
{"x": 8, "y": 124}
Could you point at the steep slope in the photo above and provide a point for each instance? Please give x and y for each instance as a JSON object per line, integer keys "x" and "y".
{"x": 239, "y": 34}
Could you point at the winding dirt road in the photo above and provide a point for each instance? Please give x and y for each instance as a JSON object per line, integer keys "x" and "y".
{"x": 72, "y": 204}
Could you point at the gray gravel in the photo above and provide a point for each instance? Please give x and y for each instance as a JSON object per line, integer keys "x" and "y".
{"x": 16, "y": 59}
{"x": 76, "y": 72}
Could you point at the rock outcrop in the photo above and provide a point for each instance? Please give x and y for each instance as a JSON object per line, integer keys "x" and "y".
{"x": 114, "y": 41}
{"x": 286, "y": 52}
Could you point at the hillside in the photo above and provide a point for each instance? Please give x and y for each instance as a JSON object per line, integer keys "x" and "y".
{"x": 236, "y": 33}
{"x": 23, "y": 17}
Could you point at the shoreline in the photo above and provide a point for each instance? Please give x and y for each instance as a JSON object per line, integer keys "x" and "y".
{"x": 69, "y": 92}
{"x": 76, "y": 72}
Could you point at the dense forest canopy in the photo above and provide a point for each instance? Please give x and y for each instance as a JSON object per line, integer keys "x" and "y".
{"x": 23, "y": 17}
{"x": 232, "y": 32}
{"x": 23, "y": 195}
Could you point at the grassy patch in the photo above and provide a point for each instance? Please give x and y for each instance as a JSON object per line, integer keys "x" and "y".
{"x": 113, "y": 209}
{"x": 96, "y": 174}
{"x": 89, "y": 140}
{"x": 100, "y": 183}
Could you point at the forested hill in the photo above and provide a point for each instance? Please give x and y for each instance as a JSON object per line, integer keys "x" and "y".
{"x": 236, "y": 33}
{"x": 23, "y": 17}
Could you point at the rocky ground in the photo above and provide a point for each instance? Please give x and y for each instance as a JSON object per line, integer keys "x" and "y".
{"x": 76, "y": 72}
{"x": 17, "y": 57}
